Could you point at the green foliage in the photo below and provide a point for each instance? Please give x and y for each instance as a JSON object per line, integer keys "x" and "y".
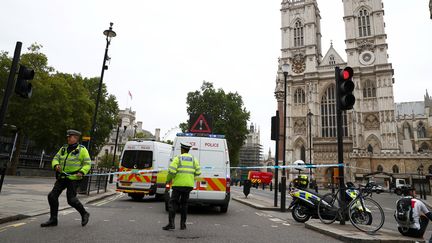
{"x": 107, "y": 160}
{"x": 60, "y": 101}
{"x": 229, "y": 116}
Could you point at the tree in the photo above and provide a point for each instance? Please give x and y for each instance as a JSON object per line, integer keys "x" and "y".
{"x": 106, "y": 161}
{"x": 107, "y": 116}
{"x": 229, "y": 116}
{"x": 60, "y": 101}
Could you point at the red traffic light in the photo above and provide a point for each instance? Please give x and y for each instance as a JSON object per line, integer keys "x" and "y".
{"x": 347, "y": 73}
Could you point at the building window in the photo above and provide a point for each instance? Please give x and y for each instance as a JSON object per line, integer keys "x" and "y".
{"x": 332, "y": 60}
{"x": 299, "y": 96}
{"x": 298, "y": 34}
{"x": 328, "y": 114}
{"x": 380, "y": 168}
{"x": 364, "y": 23}
{"x": 369, "y": 90}
{"x": 421, "y": 130}
{"x": 424, "y": 148}
{"x": 395, "y": 169}
{"x": 370, "y": 149}
{"x": 430, "y": 169}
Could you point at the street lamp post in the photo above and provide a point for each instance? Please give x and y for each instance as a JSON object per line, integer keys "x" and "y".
{"x": 135, "y": 128}
{"x": 115, "y": 150}
{"x": 309, "y": 116}
{"x": 109, "y": 33}
{"x": 285, "y": 69}
{"x": 421, "y": 185}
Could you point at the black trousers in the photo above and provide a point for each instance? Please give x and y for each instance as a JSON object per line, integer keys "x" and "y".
{"x": 72, "y": 200}
{"x": 418, "y": 233}
{"x": 179, "y": 197}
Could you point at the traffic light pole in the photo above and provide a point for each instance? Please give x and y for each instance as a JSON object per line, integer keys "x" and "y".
{"x": 276, "y": 186}
{"x": 7, "y": 94}
{"x": 339, "y": 124}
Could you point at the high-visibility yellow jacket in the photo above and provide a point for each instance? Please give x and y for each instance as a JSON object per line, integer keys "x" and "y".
{"x": 78, "y": 160}
{"x": 183, "y": 169}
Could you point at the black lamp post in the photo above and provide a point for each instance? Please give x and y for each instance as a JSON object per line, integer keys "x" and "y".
{"x": 421, "y": 184}
{"x": 135, "y": 127}
{"x": 309, "y": 116}
{"x": 285, "y": 69}
{"x": 115, "y": 150}
{"x": 109, "y": 33}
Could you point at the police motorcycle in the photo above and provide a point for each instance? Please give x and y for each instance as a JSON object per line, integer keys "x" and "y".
{"x": 305, "y": 202}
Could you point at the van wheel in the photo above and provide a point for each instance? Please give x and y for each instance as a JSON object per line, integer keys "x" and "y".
{"x": 136, "y": 196}
{"x": 224, "y": 208}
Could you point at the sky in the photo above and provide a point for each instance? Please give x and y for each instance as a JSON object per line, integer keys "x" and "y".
{"x": 165, "y": 49}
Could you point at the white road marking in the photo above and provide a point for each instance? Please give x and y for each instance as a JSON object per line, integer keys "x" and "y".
{"x": 111, "y": 199}
{"x": 274, "y": 226}
{"x": 77, "y": 219}
{"x": 66, "y": 212}
{"x": 286, "y": 224}
{"x": 276, "y": 220}
{"x": 245, "y": 225}
{"x": 131, "y": 220}
{"x": 217, "y": 224}
{"x": 106, "y": 220}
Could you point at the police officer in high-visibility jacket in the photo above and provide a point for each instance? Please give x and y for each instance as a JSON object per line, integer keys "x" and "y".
{"x": 71, "y": 163}
{"x": 182, "y": 172}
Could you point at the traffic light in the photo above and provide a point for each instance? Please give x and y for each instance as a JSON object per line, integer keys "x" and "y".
{"x": 23, "y": 87}
{"x": 345, "y": 88}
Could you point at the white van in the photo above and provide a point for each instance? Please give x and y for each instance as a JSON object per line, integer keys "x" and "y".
{"x": 212, "y": 187}
{"x": 144, "y": 155}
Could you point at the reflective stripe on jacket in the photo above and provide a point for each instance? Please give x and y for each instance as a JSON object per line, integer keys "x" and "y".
{"x": 78, "y": 160}
{"x": 183, "y": 169}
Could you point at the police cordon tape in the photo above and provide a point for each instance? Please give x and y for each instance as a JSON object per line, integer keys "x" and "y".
{"x": 305, "y": 166}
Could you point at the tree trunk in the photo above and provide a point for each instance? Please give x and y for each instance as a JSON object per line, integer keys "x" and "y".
{"x": 12, "y": 169}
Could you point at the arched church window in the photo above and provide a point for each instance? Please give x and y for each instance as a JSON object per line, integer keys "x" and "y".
{"x": 364, "y": 23}
{"x": 370, "y": 148}
{"x": 421, "y": 130}
{"x": 332, "y": 60}
{"x": 298, "y": 34}
{"x": 299, "y": 96}
{"x": 369, "y": 90}
{"x": 380, "y": 168}
{"x": 395, "y": 169}
{"x": 328, "y": 114}
{"x": 303, "y": 153}
{"x": 424, "y": 147}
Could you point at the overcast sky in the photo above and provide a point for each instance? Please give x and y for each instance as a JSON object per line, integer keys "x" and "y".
{"x": 165, "y": 49}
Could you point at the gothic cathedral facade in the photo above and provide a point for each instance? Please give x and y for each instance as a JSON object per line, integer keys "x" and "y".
{"x": 371, "y": 136}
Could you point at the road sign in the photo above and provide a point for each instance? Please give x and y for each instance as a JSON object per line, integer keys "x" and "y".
{"x": 200, "y": 125}
{"x": 86, "y": 138}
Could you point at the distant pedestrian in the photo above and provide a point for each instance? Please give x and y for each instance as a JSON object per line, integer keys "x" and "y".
{"x": 182, "y": 172}
{"x": 71, "y": 163}
{"x": 412, "y": 215}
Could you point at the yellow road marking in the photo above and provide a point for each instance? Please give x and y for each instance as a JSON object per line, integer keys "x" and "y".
{"x": 11, "y": 225}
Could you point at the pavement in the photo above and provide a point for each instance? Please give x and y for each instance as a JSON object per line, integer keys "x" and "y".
{"x": 347, "y": 232}
{"x": 23, "y": 197}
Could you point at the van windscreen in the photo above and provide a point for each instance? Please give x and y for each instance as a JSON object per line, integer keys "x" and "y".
{"x": 137, "y": 159}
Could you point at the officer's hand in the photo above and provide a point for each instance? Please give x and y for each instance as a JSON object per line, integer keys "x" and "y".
{"x": 58, "y": 168}
{"x": 80, "y": 174}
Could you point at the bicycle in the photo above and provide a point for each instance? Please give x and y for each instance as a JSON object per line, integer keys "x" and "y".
{"x": 364, "y": 213}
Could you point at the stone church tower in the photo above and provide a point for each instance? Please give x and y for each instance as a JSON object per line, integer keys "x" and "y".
{"x": 370, "y": 129}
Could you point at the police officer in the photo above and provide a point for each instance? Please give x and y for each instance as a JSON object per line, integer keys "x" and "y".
{"x": 71, "y": 163}
{"x": 181, "y": 171}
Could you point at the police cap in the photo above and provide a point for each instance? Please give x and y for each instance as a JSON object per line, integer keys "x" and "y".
{"x": 185, "y": 145}
{"x": 73, "y": 132}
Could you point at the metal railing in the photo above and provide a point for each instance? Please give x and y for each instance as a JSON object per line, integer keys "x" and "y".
{"x": 94, "y": 181}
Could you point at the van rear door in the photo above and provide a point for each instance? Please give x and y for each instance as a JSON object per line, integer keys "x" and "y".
{"x": 213, "y": 169}
{"x": 196, "y": 143}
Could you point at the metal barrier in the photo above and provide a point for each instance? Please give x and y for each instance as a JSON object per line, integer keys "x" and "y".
{"x": 93, "y": 182}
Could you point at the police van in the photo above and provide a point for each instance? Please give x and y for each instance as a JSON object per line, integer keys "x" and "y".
{"x": 144, "y": 155}
{"x": 212, "y": 187}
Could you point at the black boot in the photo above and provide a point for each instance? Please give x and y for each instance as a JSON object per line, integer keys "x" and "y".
{"x": 182, "y": 226}
{"x": 85, "y": 218}
{"x": 168, "y": 227}
{"x": 50, "y": 222}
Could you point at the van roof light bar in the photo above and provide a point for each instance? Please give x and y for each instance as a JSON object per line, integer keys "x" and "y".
{"x": 189, "y": 134}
